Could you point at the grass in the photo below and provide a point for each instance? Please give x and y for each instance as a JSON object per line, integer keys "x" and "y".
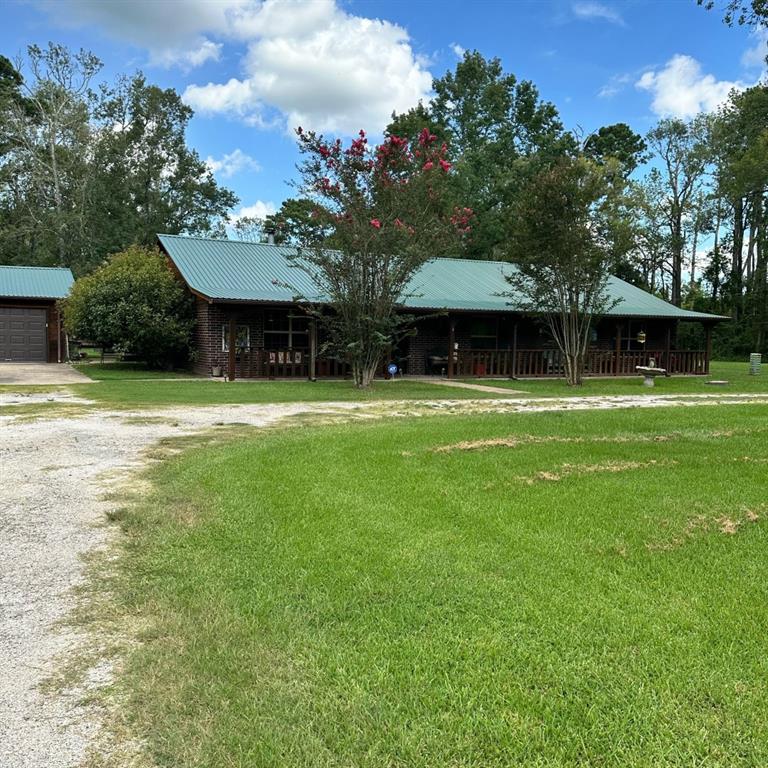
{"x": 130, "y": 393}
{"x": 737, "y": 375}
{"x": 578, "y": 589}
{"x": 127, "y": 372}
{"x": 127, "y": 385}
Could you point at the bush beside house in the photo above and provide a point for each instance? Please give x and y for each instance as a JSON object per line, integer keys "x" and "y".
{"x": 133, "y": 303}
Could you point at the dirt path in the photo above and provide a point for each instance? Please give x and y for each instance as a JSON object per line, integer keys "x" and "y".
{"x": 53, "y": 476}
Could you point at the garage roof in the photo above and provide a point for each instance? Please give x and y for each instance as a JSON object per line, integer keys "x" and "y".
{"x": 35, "y": 282}
{"x": 229, "y": 270}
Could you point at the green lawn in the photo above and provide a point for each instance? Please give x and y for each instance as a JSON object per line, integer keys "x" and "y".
{"x": 590, "y": 591}
{"x": 137, "y": 393}
{"x": 737, "y": 375}
{"x": 128, "y": 385}
{"x": 127, "y": 372}
{"x": 125, "y": 385}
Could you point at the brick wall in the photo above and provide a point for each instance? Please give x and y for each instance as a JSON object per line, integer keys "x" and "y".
{"x": 210, "y": 318}
{"x": 432, "y": 339}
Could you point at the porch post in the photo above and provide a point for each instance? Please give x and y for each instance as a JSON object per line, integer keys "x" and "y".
{"x": 618, "y": 350}
{"x": 708, "y": 348}
{"x": 514, "y": 351}
{"x": 312, "y": 349}
{"x": 451, "y": 342}
{"x": 58, "y": 333}
{"x": 668, "y": 351}
{"x": 232, "y": 350}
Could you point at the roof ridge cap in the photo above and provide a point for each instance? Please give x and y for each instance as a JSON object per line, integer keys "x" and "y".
{"x": 32, "y": 266}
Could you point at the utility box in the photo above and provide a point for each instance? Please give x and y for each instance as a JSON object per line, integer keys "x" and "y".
{"x": 754, "y": 363}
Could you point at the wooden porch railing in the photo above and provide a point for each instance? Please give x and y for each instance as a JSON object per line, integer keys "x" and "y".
{"x": 532, "y": 363}
{"x": 528, "y": 363}
{"x": 285, "y": 364}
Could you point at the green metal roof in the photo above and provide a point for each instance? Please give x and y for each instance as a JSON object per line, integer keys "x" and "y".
{"x": 228, "y": 270}
{"x": 35, "y": 282}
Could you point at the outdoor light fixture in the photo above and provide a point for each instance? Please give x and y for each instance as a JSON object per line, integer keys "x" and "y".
{"x": 641, "y": 337}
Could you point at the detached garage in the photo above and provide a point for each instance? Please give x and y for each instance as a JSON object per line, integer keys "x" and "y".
{"x": 30, "y": 323}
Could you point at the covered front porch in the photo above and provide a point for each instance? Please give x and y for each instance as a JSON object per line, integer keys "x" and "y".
{"x": 519, "y": 347}
{"x": 283, "y": 343}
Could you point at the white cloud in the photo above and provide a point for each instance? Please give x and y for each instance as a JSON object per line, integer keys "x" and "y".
{"x": 190, "y": 57}
{"x": 614, "y": 86}
{"x": 319, "y": 67}
{"x": 754, "y": 58}
{"x": 174, "y": 33}
{"x": 259, "y": 210}
{"x": 458, "y": 50}
{"x": 232, "y": 163}
{"x": 593, "y": 11}
{"x": 307, "y": 62}
{"x": 681, "y": 89}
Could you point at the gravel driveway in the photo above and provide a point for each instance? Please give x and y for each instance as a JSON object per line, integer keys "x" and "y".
{"x": 53, "y": 475}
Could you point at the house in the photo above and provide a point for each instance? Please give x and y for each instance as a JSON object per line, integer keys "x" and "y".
{"x": 249, "y": 325}
{"x": 30, "y": 321}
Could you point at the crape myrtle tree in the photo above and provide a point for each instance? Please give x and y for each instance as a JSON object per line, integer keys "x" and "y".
{"x": 378, "y": 214}
{"x": 564, "y": 234}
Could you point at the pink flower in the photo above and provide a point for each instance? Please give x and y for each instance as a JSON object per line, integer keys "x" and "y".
{"x": 428, "y": 166}
{"x": 399, "y": 224}
{"x": 445, "y": 165}
{"x": 375, "y": 223}
{"x": 357, "y": 148}
{"x": 425, "y": 137}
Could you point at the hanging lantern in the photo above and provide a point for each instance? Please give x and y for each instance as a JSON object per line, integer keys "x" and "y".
{"x": 641, "y": 337}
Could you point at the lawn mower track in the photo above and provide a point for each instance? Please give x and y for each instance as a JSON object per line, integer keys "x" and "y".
{"x": 55, "y": 472}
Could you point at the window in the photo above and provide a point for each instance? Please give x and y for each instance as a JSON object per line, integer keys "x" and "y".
{"x": 242, "y": 337}
{"x": 284, "y": 330}
{"x": 484, "y": 333}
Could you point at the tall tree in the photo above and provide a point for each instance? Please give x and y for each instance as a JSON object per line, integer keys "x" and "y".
{"x": 619, "y": 142}
{"x": 489, "y": 119}
{"x": 562, "y": 242}
{"x": 47, "y": 132}
{"x": 86, "y": 171}
{"x": 741, "y": 142}
{"x": 682, "y": 150}
{"x": 150, "y": 180}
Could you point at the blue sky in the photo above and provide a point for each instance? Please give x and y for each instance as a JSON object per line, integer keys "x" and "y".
{"x": 252, "y": 70}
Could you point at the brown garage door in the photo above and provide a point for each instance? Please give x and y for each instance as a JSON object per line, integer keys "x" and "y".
{"x": 22, "y": 334}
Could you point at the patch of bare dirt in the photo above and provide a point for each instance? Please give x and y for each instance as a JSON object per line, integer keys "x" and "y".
{"x": 515, "y": 441}
{"x": 568, "y": 470}
{"x": 699, "y": 525}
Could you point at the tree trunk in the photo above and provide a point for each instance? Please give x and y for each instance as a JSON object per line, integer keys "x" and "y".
{"x": 736, "y": 257}
{"x": 363, "y": 373}
{"x": 678, "y": 246}
{"x": 760, "y": 275}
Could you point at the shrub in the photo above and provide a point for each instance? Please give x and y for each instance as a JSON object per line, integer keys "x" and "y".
{"x": 134, "y": 303}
